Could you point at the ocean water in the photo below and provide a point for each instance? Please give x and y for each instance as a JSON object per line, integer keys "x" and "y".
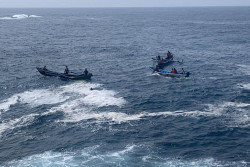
{"x": 131, "y": 117}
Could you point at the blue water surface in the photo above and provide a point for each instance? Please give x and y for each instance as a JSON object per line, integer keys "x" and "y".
{"x": 131, "y": 117}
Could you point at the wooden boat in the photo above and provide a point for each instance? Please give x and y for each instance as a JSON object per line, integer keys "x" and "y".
{"x": 169, "y": 74}
{"x": 70, "y": 75}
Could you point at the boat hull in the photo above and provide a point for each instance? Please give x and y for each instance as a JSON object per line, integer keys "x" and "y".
{"x": 71, "y": 76}
{"x": 169, "y": 74}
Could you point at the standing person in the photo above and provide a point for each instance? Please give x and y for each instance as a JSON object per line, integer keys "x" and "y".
{"x": 169, "y": 55}
{"x": 66, "y": 71}
{"x": 86, "y": 71}
{"x": 175, "y": 71}
{"x": 156, "y": 68}
{"x": 182, "y": 71}
{"x": 158, "y": 58}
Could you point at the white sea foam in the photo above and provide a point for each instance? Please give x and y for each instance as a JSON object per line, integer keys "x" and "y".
{"x": 78, "y": 103}
{"x": 76, "y": 115}
{"x": 129, "y": 148}
{"x": 235, "y": 114}
{"x": 34, "y": 98}
{"x": 75, "y": 112}
{"x": 244, "y": 86}
{"x": 91, "y": 157}
{"x": 34, "y": 16}
{"x": 5, "y": 104}
{"x": 96, "y": 97}
{"x": 18, "y": 16}
{"x": 15, "y": 123}
{"x": 244, "y": 68}
{"x": 78, "y": 91}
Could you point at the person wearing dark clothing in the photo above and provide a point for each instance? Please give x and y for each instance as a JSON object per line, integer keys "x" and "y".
{"x": 44, "y": 68}
{"x": 86, "y": 71}
{"x": 183, "y": 72}
{"x": 156, "y": 68}
{"x": 66, "y": 71}
{"x": 169, "y": 55}
{"x": 158, "y": 57}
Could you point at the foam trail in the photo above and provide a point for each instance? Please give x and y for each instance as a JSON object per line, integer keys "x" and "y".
{"x": 80, "y": 92}
{"x": 78, "y": 102}
{"x": 34, "y": 98}
{"x": 238, "y": 117}
{"x": 34, "y": 16}
{"x": 96, "y": 97}
{"x": 244, "y": 86}
{"x": 76, "y": 115}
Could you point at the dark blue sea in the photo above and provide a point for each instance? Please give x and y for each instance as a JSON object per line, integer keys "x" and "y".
{"x": 131, "y": 117}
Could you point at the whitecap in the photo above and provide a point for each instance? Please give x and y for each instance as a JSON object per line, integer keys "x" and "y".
{"x": 15, "y": 123}
{"x": 5, "y": 104}
{"x": 96, "y": 97}
{"x": 244, "y": 86}
{"x": 19, "y": 16}
{"x": 244, "y": 68}
{"x": 34, "y": 16}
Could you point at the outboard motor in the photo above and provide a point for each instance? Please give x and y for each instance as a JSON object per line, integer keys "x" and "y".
{"x": 187, "y": 74}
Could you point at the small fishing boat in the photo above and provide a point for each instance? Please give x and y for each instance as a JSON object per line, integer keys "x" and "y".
{"x": 162, "y": 62}
{"x": 70, "y": 75}
{"x": 169, "y": 74}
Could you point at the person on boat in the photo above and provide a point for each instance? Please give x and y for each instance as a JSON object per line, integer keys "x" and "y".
{"x": 66, "y": 71}
{"x": 86, "y": 71}
{"x": 156, "y": 68}
{"x": 172, "y": 71}
{"x": 158, "y": 57}
{"x": 169, "y": 55}
{"x": 44, "y": 68}
{"x": 175, "y": 71}
{"x": 182, "y": 71}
